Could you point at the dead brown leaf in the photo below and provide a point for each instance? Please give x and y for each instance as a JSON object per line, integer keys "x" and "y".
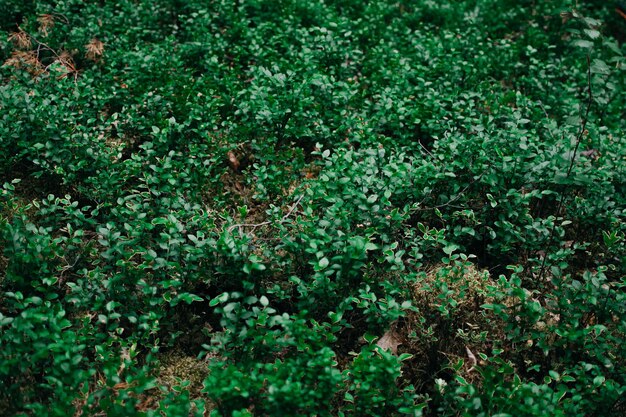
{"x": 390, "y": 341}
{"x": 471, "y": 358}
{"x": 233, "y": 161}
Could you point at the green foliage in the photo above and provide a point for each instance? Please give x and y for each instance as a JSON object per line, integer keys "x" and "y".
{"x": 340, "y": 208}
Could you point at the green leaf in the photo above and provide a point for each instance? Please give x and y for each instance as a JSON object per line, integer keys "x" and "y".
{"x": 370, "y": 246}
{"x": 369, "y": 337}
{"x": 323, "y": 263}
{"x": 335, "y": 317}
{"x": 592, "y": 33}
{"x": 581, "y": 43}
{"x": 219, "y": 299}
{"x": 599, "y": 67}
{"x": 449, "y": 248}
{"x": 461, "y": 380}
{"x": 190, "y": 298}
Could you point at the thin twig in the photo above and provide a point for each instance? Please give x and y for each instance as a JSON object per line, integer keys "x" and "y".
{"x": 62, "y": 16}
{"x": 425, "y": 149}
{"x": 452, "y": 200}
{"x": 60, "y": 59}
{"x": 267, "y": 222}
{"x": 253, "y": 225}
{"x": 40, "y": 44}
{"x": 579, "y": 137}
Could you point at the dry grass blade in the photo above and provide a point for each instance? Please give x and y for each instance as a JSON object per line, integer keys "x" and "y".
{"x": 66, "y": 61}
{"x": 46, "y": 22}
{"x": 95, "y": 49}
{"x": 26, "y": 60}
{"x": 21, "y": 39}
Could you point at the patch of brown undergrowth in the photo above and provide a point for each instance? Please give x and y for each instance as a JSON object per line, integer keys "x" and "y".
{"x": 450, "y": 327}
{"x": 177, "y": 367}
{"x": 177, "y": 372}
{"x": 37, "y": 57}
{"x": 181, "y": 371}
{"x": 94, "y": 50}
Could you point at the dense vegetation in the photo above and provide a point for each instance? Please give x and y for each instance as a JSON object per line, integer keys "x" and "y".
{"x": 312, "y": 208}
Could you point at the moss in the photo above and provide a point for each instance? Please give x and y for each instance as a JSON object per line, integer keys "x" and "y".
{"x": 176, "y": 368}
{"x": 449, "y": 324}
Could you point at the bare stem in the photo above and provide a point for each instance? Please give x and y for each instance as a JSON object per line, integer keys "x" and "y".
{"x": 579, "y": 137}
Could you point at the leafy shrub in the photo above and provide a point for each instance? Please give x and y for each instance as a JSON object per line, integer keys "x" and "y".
{"x": 339, "y": 208}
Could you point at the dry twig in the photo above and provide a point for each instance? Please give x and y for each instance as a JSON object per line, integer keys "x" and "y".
{"x": 579, "y": 137}
{"x": 254, "y": 226}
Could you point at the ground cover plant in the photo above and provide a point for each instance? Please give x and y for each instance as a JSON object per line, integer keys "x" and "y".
{"x": 312, "y": 208}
